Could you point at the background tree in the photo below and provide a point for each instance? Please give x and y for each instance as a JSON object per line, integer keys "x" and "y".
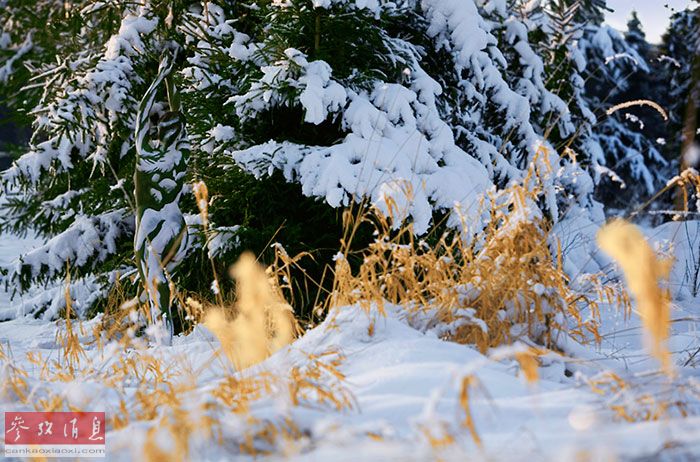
{"x": 631, "y": 168}
{"x": 680, "y": 54}
{"x": 636, "y": 37}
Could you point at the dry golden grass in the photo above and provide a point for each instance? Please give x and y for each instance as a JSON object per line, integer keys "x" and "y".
{"x": 72, "y": 349}
{"x": 262, "y": 321}
{"x": 464, "y": 395}
{"x": 319, "y": 381}
{"x": 647, "y": 397}
{"x": 504, "y": 284}
{"x": 15, "y": 386}
{"x": 643, "y": 271}
{"x": 259, "y": 322}
{"x": 162, "y": 390}
{"x": 529, "y": 364}
{"x": 689, "y": 179}
{"x": 686, "y": 184}
{"x": 639, "y": 102}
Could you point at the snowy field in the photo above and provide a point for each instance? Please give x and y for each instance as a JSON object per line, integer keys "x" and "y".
{"x": 403, "y": 388}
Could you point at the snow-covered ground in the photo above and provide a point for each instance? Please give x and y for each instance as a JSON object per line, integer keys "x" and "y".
{"x": 404, "y": 387}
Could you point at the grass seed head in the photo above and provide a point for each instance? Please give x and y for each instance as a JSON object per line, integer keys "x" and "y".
{"x": 262, "y": 321}
{"x": 643, "y": 272}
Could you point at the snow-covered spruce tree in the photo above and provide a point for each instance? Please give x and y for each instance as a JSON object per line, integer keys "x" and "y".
{"x": 633, "y": 168}
{"x": 419, "y": 106}
{"x": 440, "y": 94}
{"x": 555, "y": 31}
{"x": 31, "y": 32}
{"x": 541, "y": 65}
{"x": 588, "y": 65}
{"x": 75, "y": 186}
{"x": 650, "y": 85}
{"x": 328, "y": 97}
{"x": 636, "y": 37}
{"x": 681, "y": 56}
